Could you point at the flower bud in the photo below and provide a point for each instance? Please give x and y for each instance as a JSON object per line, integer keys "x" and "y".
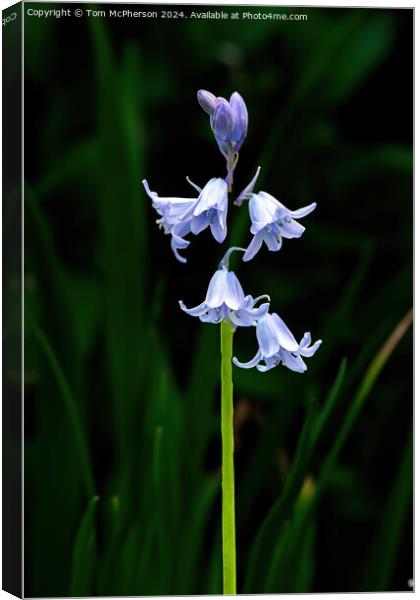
{"x": 222, "y": 122}
{"x": 207, "y": 101}
{"x": 240, "y": 118}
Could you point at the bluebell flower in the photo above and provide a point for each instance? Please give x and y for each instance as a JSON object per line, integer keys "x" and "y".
{"x": 210, "y": 209}
{"x": 271, "y": 221}
{"x": 277, "y": 345}
{"x": 181, "y": 216}
{"x": 225, "y": 300}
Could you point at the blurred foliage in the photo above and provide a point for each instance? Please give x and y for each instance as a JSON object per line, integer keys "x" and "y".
{"x": 122, "y": 454}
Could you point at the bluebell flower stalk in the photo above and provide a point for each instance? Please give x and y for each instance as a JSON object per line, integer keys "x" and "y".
{"x": 229, "y": 123}
{"x": 225, "y": 302}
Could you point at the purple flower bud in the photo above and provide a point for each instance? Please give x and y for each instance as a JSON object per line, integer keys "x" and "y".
{"x": 240, "y": 119}
{"x": 207, "y": 101}
{"x": 222, "y": 122}
{"x": 229, "y": 122}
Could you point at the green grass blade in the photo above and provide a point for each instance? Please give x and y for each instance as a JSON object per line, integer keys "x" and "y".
{"x": 203, "y": 383}
{"x": 107, "y": 583}
{"x": 123, "y": 240}
{"x": 76, "y": 163}
{"x": 188, "y": 559}
{"x": 363, "y": 392}
{"x": 214, "y": 579}
{"x": 84, "y": 554}
{"x": 311, "y": 432}
{"x": 71, "y": 407}
{"x": 271, "y": 527}
{"x": 333, "y": 325}
{"x": 330, "y": 402}
{"x": 383, "y": 552}
{"x": 291, "y": 564}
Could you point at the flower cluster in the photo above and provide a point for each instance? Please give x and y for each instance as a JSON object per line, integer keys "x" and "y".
{"x": 270, "y": 222}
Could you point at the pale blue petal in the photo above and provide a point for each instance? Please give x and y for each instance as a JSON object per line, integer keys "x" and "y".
{"x": 262, "y": 212}
{"x": 175, "y": 251}
{"x": 309, "y": 351}
{"x": 248, "y": 302}
{"x": 260, "y": 312}
{"x": 199, "y": 223}
{"x": 293, "y": 361}
{"x": 216, "y": 292}
{"x": 196, "y": 311}
{"x": 178, "y": 209}
{"x": 253, "y": 247}
{"x": 234, "y": 296}
{"x": 181, "y": 229}
{"x": 270, "y": 363}
{"x": 302, "y": 212}
{"x": 214, "y": 315}
{"x": 267, "y": 336}
{"x": 240, "y": 318}
{"x": 222, "y": 216}
{"x": 177, "y": 241}
{"x": 273, "y": 243}
{"x": 291, "y": 229}
{"x": 168, "y": 201}
{"x": 248, "y": 365}
{"x": 306, "y": 340}
{"x": 284, "y": 336}
{"x": 149, "y": 192}
{"x": 219, "y": 233}
{"x": 214, "y": 194}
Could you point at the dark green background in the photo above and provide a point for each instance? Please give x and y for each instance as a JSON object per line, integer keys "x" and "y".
{"x": 122, "y": 387}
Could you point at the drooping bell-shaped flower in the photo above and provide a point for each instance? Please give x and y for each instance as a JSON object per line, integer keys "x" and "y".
{"x": 172, "y": 210}
{"x": 271, "y": 221}
{"x": 181, "y": 216}
{"x": 277, "y": 345}
{"x": 210, "y": 209}
{"x": 225, "y": 300}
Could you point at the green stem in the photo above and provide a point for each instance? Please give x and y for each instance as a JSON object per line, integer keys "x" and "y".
{"x": 228, "y": 471}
